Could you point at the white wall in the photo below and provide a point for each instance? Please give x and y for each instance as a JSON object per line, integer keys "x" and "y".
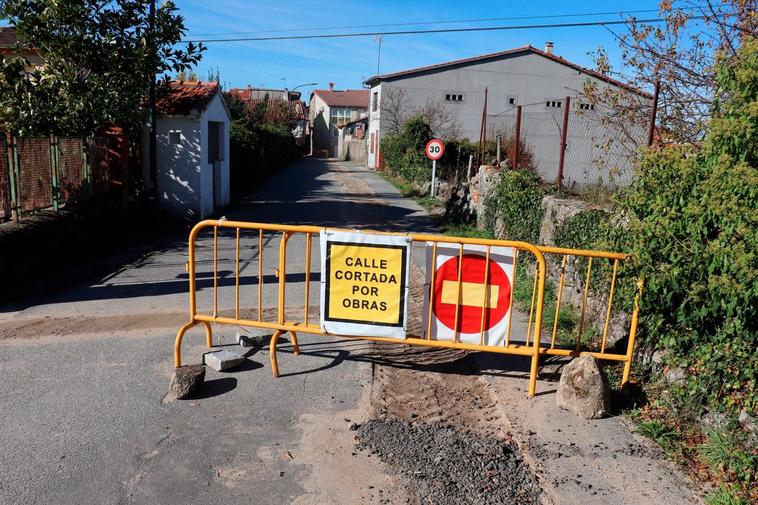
{"x": 178, "y": 179}
{"x": 214, "y": 112}
{"x": 531, "y": 80}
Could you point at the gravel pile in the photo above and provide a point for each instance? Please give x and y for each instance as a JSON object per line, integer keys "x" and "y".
{"x": 450, "y": 467}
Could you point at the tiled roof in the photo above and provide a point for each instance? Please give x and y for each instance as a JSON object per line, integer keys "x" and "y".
{"x": 345, "y": 98}
{"x": 180, "y": 98}
{"x": 8, "y": 36}
{"x": 501, "y": 54}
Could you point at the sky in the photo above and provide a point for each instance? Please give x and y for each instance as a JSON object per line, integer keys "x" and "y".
{"x": 347, "y": 62}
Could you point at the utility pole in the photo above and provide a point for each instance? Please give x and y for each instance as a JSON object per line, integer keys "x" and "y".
{"x": 151, "y": 98}
{"x": 518, "y": 137}
{"x": 379, "y": 39}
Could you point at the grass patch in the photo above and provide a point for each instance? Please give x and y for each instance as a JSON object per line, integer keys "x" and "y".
{"x": 464, "y": 230}
{"x": 724, "y": 495}
{"x": 428, "y": 202}
{"x": 666, "y": 436}
{"x": 724, "y": 454}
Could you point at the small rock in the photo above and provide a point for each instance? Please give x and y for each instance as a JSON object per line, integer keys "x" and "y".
{"x": 251, "y": 340}
{"x": 223, "y": 360}
{"x": 185, "y": 382}
{"x": 714, "y": 421}
{"x": 675, "y": 375}
{"x": 584, "y": 389}
{"x": 748, "y": 422}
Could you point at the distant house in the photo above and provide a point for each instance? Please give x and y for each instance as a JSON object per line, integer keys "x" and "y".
{"x": 286, "y": 102}
{"x": 534, "y": 79}
{"x": 192, "y": 179}
{"x": 331, "y": 109}
{"x": 9, "y": 44}
{"x": 351, "y": 140}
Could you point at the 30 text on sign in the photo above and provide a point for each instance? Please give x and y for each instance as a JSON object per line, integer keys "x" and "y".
{"x": 364, "y": 284}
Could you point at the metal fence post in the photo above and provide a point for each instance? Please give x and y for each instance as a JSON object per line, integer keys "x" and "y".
{"x": 11, "y": 157}
{"x": 564, "y": 132}
{"x": 653, "y": 111}
{"x": 86, "y": 172}
{"x": 517, "y": 147}
{"x": 54, "y": 170}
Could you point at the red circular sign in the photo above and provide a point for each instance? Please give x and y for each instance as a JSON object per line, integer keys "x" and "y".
{"x": 434, "y": 149}
{"x": 470, "y": 311}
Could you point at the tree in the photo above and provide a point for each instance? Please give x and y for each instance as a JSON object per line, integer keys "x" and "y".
{"x": 397, "y": 111}
{"x": 692, "y": 231}
{"x": 681, "y": 53}
{"x": 99, "y": 60}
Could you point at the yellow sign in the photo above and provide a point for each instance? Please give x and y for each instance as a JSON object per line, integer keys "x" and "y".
{"x": 365, "y": 284}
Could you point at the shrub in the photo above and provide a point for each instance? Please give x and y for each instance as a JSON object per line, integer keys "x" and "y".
{"x": 404, "y": 151}
{"x": 693, "y": 236}
{"x": 517, "y": 203}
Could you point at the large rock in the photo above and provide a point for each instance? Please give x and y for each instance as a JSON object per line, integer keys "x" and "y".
{"x": 584, "y": 389}
{"x": 185, "y": 382}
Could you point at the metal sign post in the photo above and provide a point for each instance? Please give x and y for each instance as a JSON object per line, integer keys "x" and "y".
{"x": 434, "y": 175}
{"x": 434, "y": 150}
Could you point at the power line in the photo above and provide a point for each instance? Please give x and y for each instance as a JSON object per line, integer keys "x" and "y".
{"x": 438, "y": 30}
{"x": 442, "y": 22}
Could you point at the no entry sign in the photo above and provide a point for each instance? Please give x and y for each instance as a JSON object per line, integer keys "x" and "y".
{"x": 364, "y": 284}
{"x": 482, "y": 289}
{"x": 434, "y": 149}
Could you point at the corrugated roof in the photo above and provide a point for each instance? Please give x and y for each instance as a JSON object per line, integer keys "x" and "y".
{"x": 180, "y": 98}
{"x": 343, "y": 98}
{"x": 499, "y": 55}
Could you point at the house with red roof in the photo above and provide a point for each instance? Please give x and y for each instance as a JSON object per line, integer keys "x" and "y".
{"x": 535, "y": 79}
{"x": 331, "y": 109}
{"x": 192, "y": 149}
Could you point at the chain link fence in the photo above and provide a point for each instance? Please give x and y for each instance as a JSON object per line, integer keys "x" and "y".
{"x": 596, "y": 157}
{"x": 38, "y": 173}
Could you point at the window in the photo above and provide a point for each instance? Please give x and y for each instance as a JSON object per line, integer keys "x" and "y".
{"x": 340, "y": 115}
{"x": 512, "y": 100}
{"x": 553, "y": 104}
{"x": 374, "y": 101}
{"x": 174, "y": 137}
{"x": 586, "y": 106}
{"x": 454, "y": 97}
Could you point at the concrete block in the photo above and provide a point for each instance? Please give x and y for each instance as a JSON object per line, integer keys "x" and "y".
{"x": 223, "y": 360}
{"x": 253, "y": 339}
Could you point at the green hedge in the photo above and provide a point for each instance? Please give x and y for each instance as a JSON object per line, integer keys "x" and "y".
{"x": 693, "y": 234}
{"x": 517, "y": 201}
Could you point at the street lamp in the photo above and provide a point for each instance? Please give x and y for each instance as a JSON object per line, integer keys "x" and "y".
{"x": 289, "y": 95}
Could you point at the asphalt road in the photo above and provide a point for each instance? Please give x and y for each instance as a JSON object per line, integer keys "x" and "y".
{"x": 81, "y": 417}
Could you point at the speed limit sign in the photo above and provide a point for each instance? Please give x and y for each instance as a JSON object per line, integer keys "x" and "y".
{"x": 434, "y": 149}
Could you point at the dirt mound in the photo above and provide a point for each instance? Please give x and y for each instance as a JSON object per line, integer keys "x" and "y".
{"x": 447, "y": 466}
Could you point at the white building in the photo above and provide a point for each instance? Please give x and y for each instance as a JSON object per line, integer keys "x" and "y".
{"x": 538, "y": 81}
{"x": 192, "y": 144}
{"x": 329, "y": 110}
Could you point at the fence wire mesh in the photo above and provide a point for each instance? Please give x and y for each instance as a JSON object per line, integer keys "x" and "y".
{"x": 596, "y": 156}
{"x": 38, "y": 173}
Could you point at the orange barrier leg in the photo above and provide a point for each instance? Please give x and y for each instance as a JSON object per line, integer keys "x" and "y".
{"x": 533, "y": 375}
{"x": 178, "y": 342}
{"x": 272, "y": 353}
{"x": 208, "y": 334}
{"x": 295, "y": 345}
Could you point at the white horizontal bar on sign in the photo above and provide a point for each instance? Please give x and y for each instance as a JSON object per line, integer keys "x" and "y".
{"x": 472, "y": 293}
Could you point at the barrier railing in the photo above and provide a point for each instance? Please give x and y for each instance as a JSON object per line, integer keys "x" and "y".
{"x": 281, "y": 320}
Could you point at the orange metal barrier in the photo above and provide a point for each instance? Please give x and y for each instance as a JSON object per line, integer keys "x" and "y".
{"x": 282, "y": 324}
